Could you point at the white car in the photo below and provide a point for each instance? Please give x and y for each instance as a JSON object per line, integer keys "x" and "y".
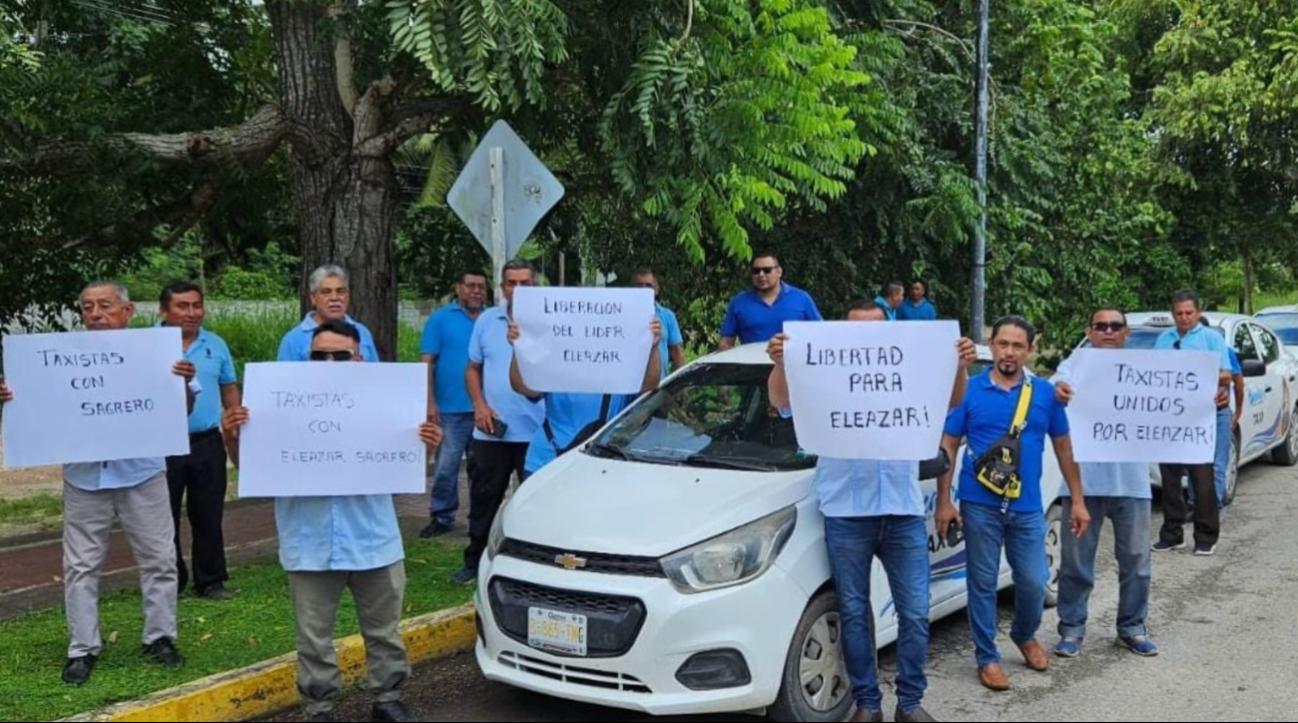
{"x": 676, "y": 565}
{"x": 1283, "y": 321}
{"x": 1270, "y": 420}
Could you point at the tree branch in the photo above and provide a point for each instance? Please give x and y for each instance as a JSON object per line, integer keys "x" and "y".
{"x": 182, "y": 212}
{"x": 247, "y": 144}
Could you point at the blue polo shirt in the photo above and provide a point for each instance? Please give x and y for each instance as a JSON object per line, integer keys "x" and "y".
{"x": 751, "y": 319}
{"x": 923, "y": 311}
{"x": 296, "y": 344}
{"x": 568, "y": 414}
{"x": 1200, "y": 338}
{"x": 671, "y": 336}
{"x": 215, "y": 369}
{"x": 888, "y": 311}
{"x": 489, "y": 346}
{"x": 446, "y": 337}
{"x": 985, "y": 416}
{"x": 1106, "y": 479}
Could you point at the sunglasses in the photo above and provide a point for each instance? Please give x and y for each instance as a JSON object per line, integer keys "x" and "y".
{"x": 763, "y": 270}
{"x": 340, "y": 355}
{"x": 1105, "y": 327}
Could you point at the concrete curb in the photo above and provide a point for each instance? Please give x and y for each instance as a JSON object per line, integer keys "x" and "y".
{"x": 271, "y": 685}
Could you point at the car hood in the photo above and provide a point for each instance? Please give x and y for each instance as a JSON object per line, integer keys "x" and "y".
{"x": 591, "y": 504}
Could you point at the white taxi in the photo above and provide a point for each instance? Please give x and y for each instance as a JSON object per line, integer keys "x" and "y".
{"x": 675, "y": 564}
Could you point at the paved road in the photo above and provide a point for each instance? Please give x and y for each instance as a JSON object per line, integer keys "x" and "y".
{"x": 1228, "y": 626}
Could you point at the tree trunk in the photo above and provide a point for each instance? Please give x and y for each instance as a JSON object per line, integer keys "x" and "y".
{"x": 345, "y": 193}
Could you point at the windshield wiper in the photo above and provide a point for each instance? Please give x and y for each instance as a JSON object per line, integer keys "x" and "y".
{"x": 608, "y": 450}
{"x": 703, "y": 460}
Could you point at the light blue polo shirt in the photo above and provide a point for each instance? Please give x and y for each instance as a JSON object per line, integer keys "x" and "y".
{"x": 296, "y": 344}
{"x": 345, "y": 533}
{"x": 923, "y": 311}
{"x": 446, "y": 336}
{"x": 888, "y": 311}
{"x": 1106, "y": 479}
{"x": 568, "y": 414}
{"x": 985, "y": 416}
{"x": 115, "y": 475}
{"x": 214, "y": 369}
{"x": 1200, "y": 338}
{"x": 750, "y": 319}
{"x": 489, "y": 346}
{"x": 671, "y": 336}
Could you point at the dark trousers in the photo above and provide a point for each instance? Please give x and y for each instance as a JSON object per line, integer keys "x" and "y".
{"x": 1207, "y": 522}
{"x": 200, "y": 477}
{"x": 490, "y": 466}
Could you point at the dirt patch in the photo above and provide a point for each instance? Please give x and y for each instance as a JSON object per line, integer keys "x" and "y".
{"x": 30, "y": 481}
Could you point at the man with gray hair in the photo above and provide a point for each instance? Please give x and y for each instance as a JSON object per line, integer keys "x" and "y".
{"x": 136, "y": 490}
{"x": 330, "y": 295}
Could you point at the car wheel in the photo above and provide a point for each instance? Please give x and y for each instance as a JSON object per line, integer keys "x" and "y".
{"x": 1287, "y": 453}
{"x": 1054, "y": 552}
{"x": 815, "y": 686}
{"x": 1232, "y": 471}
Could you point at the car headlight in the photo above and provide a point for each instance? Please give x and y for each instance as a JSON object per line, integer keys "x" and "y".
{"x": 732, "y": 558}
{"x": 496, "y": 537}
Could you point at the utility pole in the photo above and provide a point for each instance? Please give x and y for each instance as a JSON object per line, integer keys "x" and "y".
{"x": 979, "y": 281}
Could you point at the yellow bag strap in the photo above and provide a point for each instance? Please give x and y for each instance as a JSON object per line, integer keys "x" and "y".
{"x": 1025, "y": 403}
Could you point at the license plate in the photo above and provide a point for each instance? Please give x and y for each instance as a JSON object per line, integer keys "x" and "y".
{"x": 555, "y": 631}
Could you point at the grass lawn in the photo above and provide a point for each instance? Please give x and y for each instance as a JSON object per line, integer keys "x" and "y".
{"x": 43, "y": 509}
{"x": 214, "y": 636}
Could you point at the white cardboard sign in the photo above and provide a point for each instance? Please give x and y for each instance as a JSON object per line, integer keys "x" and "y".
{"x": 585, "y": 340}
{"x": 333, "y": 428}
{"x": 94, "y": 396}
{"x": 871, "y": 390}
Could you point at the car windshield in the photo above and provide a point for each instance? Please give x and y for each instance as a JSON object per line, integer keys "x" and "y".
{"x": 714, "y": 415}
{"x": 1285, "y": 326}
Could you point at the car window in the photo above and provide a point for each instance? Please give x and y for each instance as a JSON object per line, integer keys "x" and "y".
{"x": 1285, "y": 326}
{"x": 1267, "y": 344}
{"x": 1244, "y": 345}
{"x": 714, "y": 415}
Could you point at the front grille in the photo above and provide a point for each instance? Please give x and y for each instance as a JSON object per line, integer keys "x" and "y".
{"x": 594, "y": 561}
{"x": 613, "y": 622}
{"x": 607, "y": 680}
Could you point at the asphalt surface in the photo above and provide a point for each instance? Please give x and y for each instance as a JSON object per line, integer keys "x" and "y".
{"x": 1227, "y": 624}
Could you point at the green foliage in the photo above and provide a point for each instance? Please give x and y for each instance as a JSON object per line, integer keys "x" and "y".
{"x": 215, "y": 637}
{"x": 267, "y": 276}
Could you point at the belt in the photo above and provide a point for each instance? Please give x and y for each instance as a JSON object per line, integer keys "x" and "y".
{"x": 195, "y": 436}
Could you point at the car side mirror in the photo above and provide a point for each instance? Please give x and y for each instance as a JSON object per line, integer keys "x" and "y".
{"x": 1253, "y": 368}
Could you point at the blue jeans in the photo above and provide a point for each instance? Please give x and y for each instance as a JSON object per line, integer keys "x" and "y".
{"x": 901, "y": 544}
{"x": 457, "y": 433}
{"x": 1225, "y": 431}
{"x": 1023, "y": 535}
{"x": 1130, "y": 517}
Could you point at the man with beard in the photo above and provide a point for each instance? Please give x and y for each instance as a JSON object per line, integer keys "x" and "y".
{"x": 1006, "y": 415}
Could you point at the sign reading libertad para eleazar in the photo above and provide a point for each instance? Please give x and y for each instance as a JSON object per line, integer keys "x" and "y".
{"x": 333, "y": 428}
{"x": 870, "y": 390}
{"x": 581, "y": 339}
{"x": 94, "y": 396}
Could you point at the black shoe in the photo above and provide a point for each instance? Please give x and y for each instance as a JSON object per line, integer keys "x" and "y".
{"x": 77, "y": 670}
{"x": 435, "y": 529}
{"x": 164, "y": 652}
{"x": 216, "y": 592}
{"x": 322, "y": 717}
{"x": 390, "y": 712}
{"x": 465, "y": 576}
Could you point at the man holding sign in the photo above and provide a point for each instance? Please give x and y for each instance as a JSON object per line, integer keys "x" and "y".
{"x": 1006, "y": 416}
{"x": 1120, "y": 492}
{"x": 875, "y": 508}
{"x": 136, "y": 490}
{"x": 1189, "y": 335}
{"x": 330, "y": 543}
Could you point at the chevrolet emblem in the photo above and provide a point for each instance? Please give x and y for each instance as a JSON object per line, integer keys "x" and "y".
{"x": 569, "y": 561}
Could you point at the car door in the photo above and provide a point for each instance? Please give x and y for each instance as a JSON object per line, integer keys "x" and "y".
{"x": 1253, "y": 420}
{"x": 1276, "y": 388}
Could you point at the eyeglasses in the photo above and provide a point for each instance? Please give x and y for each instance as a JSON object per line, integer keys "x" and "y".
{"x": 1106, "y": 327}
{"x": 339, "y": 355}
{"x": 763, "y": 270}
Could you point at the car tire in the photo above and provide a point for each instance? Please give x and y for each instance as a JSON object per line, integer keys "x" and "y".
{"x": 1054, "y": 552}
{"x": 1232, "y": 471}
{"x": 816, "y": 654}
{"x": 1287, "y": 453}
